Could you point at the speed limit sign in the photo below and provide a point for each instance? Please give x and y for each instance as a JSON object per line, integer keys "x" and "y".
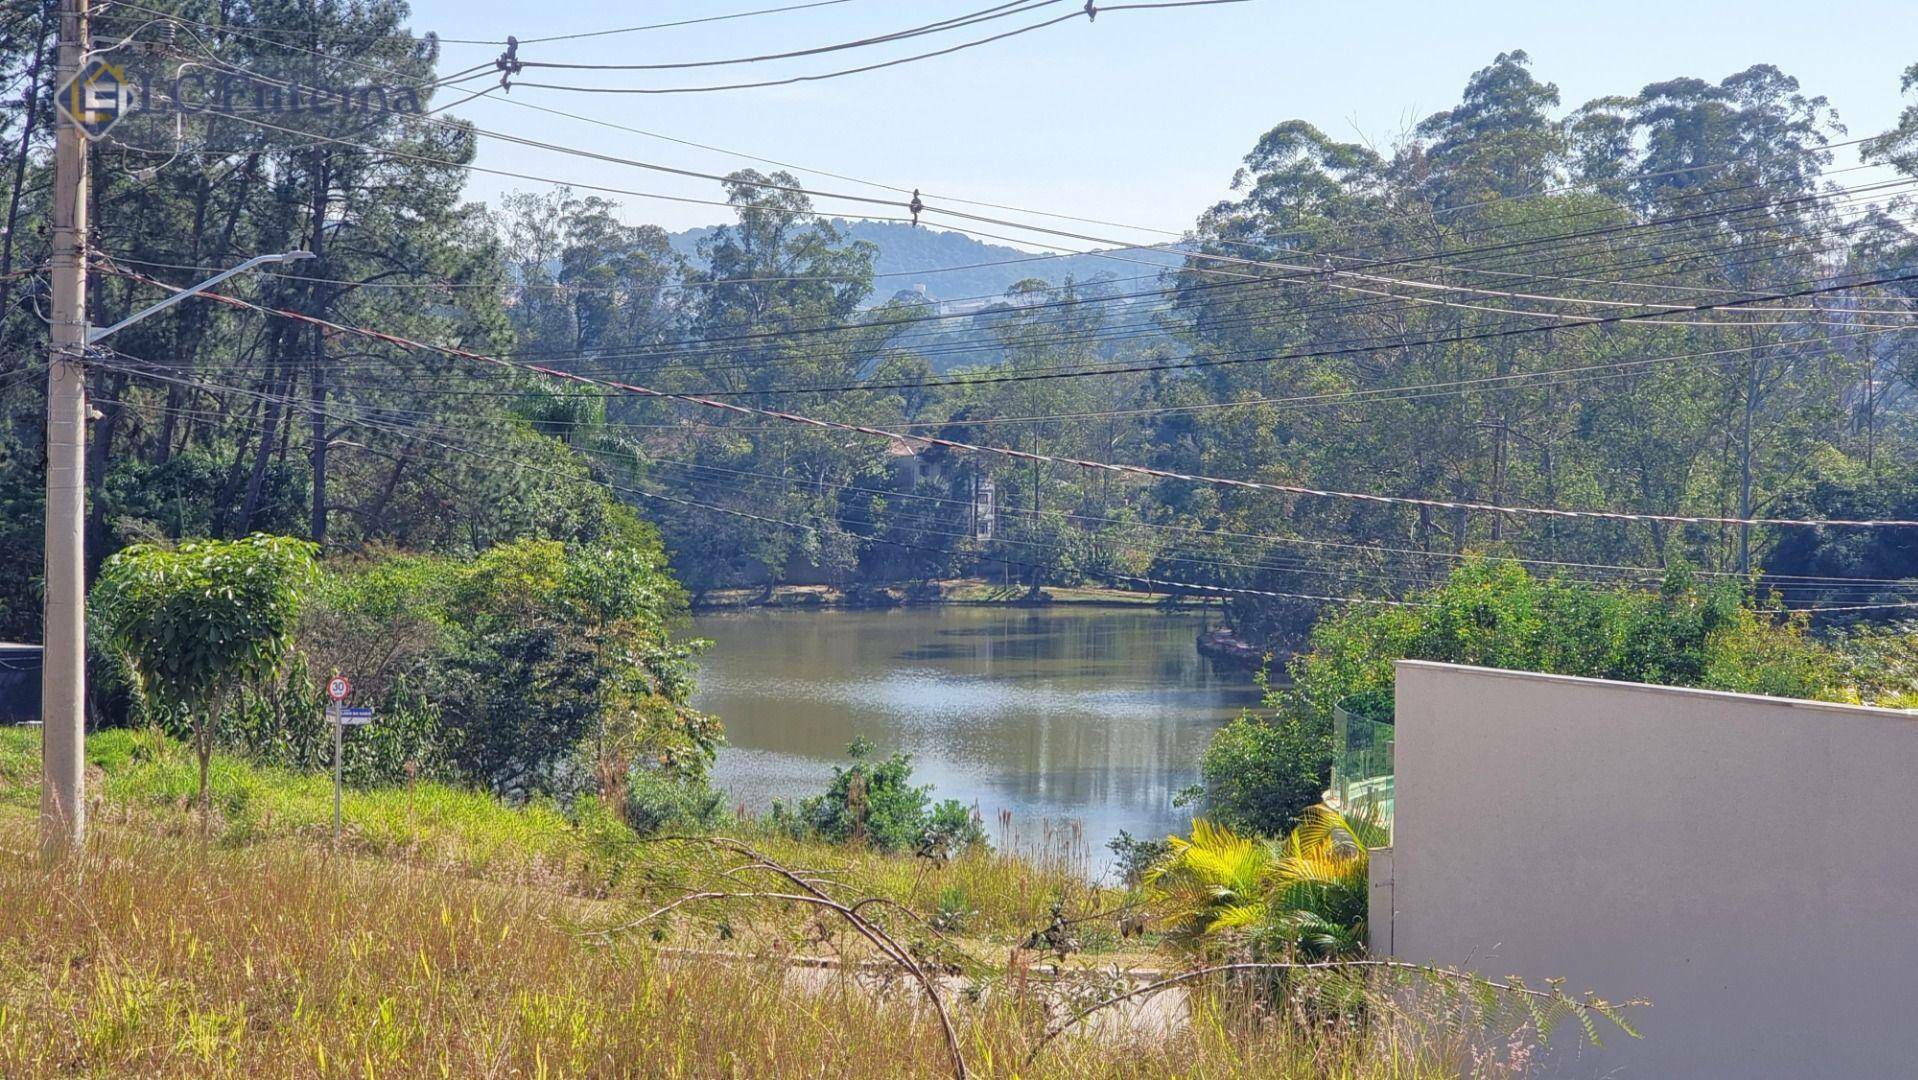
{"x": 337, "y": 688}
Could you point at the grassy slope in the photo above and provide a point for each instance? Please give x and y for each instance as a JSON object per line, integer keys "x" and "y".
{"x": 253, "y": 951}
{"x": 149, "y": 783}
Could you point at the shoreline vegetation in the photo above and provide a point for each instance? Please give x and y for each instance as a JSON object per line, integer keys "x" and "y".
{"x": 856, "y": 596}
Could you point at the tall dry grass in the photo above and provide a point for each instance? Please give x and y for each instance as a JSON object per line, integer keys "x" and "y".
{"x": 166, "y": 956}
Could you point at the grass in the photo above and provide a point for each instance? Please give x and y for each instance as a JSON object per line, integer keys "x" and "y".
{"x": 148, "y": 782}
{"x": 454, "y": 936}
{"x": 163, "y": 956}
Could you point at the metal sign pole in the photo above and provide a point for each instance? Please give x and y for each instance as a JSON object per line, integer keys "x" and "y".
{"x": 336, "y": 690}
{"x": 339, "y": 730}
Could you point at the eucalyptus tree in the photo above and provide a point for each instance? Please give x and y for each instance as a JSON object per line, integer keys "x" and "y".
{"x": 1732, "y": 174}
{"x": 774, "y": 307}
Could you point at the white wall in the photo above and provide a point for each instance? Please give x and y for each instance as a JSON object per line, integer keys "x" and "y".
{"x": 1749, "y": 864}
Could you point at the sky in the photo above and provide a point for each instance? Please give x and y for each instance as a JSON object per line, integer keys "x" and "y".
{"x": 1139, "y": 117}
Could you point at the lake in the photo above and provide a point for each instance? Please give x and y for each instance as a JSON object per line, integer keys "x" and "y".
{"x": 1060, "y": 714}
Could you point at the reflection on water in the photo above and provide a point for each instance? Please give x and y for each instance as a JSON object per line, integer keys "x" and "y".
{"x": 1097, "y": 715}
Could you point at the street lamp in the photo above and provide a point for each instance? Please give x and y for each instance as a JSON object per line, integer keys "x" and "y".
{"x": 94, "y": 336}
{"x": 63, "y": 680}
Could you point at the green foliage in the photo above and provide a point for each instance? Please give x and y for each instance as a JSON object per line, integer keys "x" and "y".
{"x": 1321, "y": 886}
{"x": 1304, "y": 897}
{"x": 1881, "y": 662}
{"x": 1212, "y": 882}
{"x": 670, "y": 804}
{"x": 1136, "y": 857}
{"x": 206, "y": 616}
{"x": 539, "y": 666}
{"x": 1262, "y": 772}
{"x": 1847, "y": 568}
{"x": 204, "y": 620}
{"x": 875, "y": 803}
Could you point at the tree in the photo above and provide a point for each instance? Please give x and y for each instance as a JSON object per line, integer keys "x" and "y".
{"x": 563, "y": 648}
{"x": 204, "y": 621}
{"x": 1213, "y": 881}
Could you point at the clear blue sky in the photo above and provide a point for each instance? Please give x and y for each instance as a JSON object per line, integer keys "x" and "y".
{"x": 1140, "y": 117}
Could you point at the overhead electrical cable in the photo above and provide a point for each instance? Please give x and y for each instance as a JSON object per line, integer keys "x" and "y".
{"x": 409, "y": 422}
{"x": 842, "y": 73}
{"x": 782, "y": 9}
{"x": 437, "y": 438}
{"x": 1824, "y": 148}
{"x": 1769, "y": 205}
{"x": 991, "y": 377}
{"x": 681, "y": 348}
{"x": 1152, "y": 584}
{"x": 1113, "y": 467}
{"x": 1017, "y": 7}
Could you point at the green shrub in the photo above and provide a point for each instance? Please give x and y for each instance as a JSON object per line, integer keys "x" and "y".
{"x": 657, "y": 803}
{"x": 1261, "y": 772}
{"x": 1136, "y": 857}
{"x": 875, "y": 802}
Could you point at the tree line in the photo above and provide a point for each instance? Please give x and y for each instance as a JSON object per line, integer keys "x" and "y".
{"x": 1413, "y": 322}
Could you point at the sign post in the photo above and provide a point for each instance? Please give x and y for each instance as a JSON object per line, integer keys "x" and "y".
{"x": 336, "y": 690}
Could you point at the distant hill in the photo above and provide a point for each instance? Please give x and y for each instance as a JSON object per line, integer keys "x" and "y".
{"x": 908, "y": 254}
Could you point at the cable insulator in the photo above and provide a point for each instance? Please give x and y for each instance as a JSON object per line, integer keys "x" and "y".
{"x": 508, "y": 63}
{"x": 915, "y": 206}
{"x": 1092, "y": 13}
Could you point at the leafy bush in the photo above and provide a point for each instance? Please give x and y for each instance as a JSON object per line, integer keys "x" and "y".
{"x": 1262, "y": 772}
{"x": 874, "y": 802}
{"x": 1136, "y": 857}
{"x": 1881, "y": 662}
{"x": 203, "y": 623}
{"x": 954, "y": 911}
{"x": 656, "y": 804}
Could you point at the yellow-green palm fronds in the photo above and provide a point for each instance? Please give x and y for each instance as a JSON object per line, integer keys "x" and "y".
{"x": 1215, "y": 879}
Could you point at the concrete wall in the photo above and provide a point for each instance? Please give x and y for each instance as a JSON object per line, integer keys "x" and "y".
{"x": 1749, "y": 864}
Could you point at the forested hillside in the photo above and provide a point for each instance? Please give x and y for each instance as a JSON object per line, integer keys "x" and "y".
{"x": 1604, "y": 338}
{"x": 955, "y": 267}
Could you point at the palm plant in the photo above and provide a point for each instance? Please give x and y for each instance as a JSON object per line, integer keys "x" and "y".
{"x": 1304, "y": 896}
{"x": 1211, "y": 883}
{"x": 1320, "y": 883}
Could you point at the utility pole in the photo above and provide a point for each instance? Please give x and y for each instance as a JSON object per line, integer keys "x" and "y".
{"x": 63, "y": 680}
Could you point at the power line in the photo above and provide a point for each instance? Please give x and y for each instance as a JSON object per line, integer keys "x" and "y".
{"x": 1017, "y": 7}
{"x": 1824, "y": 147}
{"x": 1765, "y": 206}
{"x": 680, "y": 349}
{"x": 1044, "y": 24}
{"x": 1185, "y": 365}
{"x": 655, "y": 26}
{"x": 1104, "y": 333}
{"x": 412, "y": 432}
{"x": 1124, "y": 469}
{"x": 1152, "y": 583}
{"x": 388, "y": 416}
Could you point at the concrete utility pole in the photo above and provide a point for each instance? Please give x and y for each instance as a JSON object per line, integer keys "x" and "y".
{"x": 63, "y": 679}
{"x": 63, "y": 686}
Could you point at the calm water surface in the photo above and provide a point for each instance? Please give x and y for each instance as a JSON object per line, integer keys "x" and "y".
{"x": 1091, "y": 714}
